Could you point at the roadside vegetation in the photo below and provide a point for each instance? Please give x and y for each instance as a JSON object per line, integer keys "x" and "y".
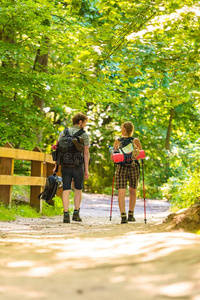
{"x": 116, "y": 61}
{"x": 23, "y": 209}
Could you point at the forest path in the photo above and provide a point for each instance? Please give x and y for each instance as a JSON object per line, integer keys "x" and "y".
{"x": 98, "y": 258}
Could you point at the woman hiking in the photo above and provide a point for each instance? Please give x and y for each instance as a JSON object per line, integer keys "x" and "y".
{"x": 128, "y": 171}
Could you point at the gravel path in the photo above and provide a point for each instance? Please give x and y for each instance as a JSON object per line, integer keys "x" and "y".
{"x": 45, "y": 259}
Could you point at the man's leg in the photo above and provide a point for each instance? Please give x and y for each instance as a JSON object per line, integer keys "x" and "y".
{"x": 65, "y": 199}
{"x": 67, "y": 179}
{"x": 77, "y": 203}
{"x": 78, "y": 184}
{"x": 77, "y": 199}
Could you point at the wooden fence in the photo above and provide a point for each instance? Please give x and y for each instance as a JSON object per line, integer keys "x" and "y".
{"x": 41, "y": 167}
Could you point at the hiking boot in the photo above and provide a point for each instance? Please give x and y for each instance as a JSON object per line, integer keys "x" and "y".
{"x": 76, "y": 216}
{"x": 123, "y": 218}
{"x": 78, "y": 146}
{"x": 66, "y": 217}
{"x": 131, "y": 217}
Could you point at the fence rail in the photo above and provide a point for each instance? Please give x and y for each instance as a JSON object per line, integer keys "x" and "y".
{"x": 41, "y": 167}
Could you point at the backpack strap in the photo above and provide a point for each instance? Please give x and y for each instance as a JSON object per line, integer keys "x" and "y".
{"x": 81, "y": 131}
{"x": 121, "y": 140}
{"x": 66, "y": 131}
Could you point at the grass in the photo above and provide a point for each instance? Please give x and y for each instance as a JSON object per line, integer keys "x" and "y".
{"x": 20, "y": 192}
{"x": 23, "y": 209}
{"x": 57, "y": 209}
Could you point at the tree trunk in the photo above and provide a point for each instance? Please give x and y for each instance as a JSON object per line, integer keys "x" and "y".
{"x": 167, "y": 143}
{"x": 40, "y": 65}
{"x": 169, "y": 130}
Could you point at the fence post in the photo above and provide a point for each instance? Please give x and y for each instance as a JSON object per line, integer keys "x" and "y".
{"x": 36, "y": 170}
{"x": 6, "y": 168}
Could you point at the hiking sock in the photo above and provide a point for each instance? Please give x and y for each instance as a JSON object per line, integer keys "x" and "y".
{"x": 76, "y": 217}
{"x": 131, "y": 217}
{"x": 66, "y": 217}
{"x": 123, "y": 218}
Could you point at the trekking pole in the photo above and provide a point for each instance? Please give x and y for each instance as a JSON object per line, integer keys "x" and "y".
{"x": 112, "y": 193}
{"x": 145, "y": 217}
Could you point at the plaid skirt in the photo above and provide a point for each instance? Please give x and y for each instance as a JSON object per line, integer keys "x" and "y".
{"x": 126, "y": 174}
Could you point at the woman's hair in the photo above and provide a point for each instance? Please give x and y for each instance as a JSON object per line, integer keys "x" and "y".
{"x": 79, "y": 117}
{"x": 129, "y": 128}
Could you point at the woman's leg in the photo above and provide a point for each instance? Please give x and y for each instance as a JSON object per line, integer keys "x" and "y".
{"x": 121, "y": 200}
{"x": 132, "y": 198}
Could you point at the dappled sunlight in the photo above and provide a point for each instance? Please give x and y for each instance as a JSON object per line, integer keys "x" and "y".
{"x": 12, "y": 291}
{"x": 97, "y": 258}
{"x": 40, "y": 272}
{"x": 144, "y": 264}
{"x": 196, "y": 297}
{"x": 102, "y": 250}
{"x": 143, "y": 247}
{"x": 117, "y": 279}
{"x": 81, "y": 253}
{"x": 179, "y": 289}
{"x": 22, "y": 263}
{"x": 197, "y": 273}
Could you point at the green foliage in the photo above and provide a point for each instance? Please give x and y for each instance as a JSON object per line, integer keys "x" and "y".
{"x": 116, "y": 61}
{"x": 57, "y": 207}
{"x": 20, "y": 192}
{"x": 25, "y": 211}
{"x": 182, "y": 188}
{"x": 183, "y": 193}
{"x": 53, "y": 210}
{"x": 22, "y": 210}
{"x": 22, "y": 167}
{"x": 6, "y": 214}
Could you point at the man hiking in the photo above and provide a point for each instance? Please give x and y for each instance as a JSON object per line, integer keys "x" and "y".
{"x": 127, "y": 171}
{"x": 73, "y": 157}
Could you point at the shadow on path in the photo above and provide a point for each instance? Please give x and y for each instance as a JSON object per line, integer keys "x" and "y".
{"x": 98, "y": 258}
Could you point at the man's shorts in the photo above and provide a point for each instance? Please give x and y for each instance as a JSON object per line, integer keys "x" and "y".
{"x": 69, "y": 173}
{"x": 126, "y": 174}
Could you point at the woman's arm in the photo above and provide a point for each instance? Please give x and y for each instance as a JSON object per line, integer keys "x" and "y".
{"x": 137, "y": 143}
{"x": 116, "y": 145}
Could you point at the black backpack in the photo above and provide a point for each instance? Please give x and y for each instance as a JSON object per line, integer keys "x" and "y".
{"x": 53, "y": 183}
{"x": 128, "y": 157}
{"x": 67, "y": 152}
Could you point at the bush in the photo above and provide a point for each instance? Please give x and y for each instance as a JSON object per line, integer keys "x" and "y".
{"x": 182, "y": 193}
{"x": 53, "y": 210}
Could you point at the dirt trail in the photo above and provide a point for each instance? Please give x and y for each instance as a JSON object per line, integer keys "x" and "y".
{"x": 98, "y": 258}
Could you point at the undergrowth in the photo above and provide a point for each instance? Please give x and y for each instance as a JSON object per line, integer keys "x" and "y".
{"x": 182, "y": 193}
{"x": 21, "y": 209}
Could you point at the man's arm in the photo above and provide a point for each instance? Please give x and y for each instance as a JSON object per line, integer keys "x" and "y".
{"x": 86, "y": 161}
{"x": 55, "y": 169}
